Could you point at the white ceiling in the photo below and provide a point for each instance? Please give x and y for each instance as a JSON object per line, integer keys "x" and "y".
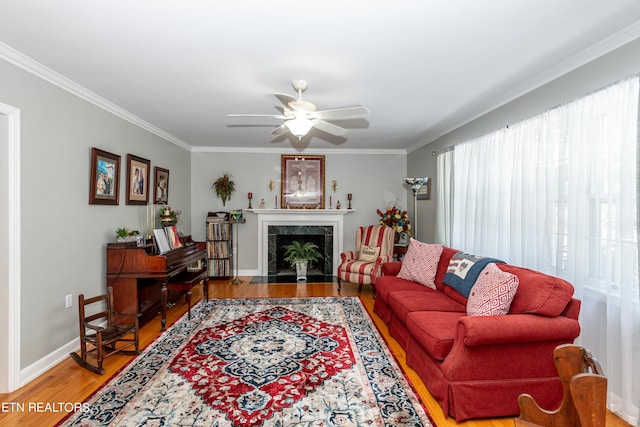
{"x": 421, "y": 67}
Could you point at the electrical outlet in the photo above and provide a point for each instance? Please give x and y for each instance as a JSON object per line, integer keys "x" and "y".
{"x": 68, "y": 301}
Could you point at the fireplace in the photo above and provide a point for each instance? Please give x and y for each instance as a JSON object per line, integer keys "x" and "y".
{"x": 326, "y": 219}
{"x": 282, "y": 235}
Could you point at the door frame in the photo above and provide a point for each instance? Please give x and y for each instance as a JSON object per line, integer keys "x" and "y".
{"x": 10, "y": 281}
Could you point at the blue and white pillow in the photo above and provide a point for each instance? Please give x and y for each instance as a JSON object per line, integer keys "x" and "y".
{"x": 464, "y": 270}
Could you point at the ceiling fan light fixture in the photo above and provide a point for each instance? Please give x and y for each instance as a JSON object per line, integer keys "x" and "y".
{"x": 299, "y": 126}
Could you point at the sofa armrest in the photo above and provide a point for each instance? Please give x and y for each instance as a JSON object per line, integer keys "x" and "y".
{"x": 391, "y": 268}
{"x": 507, "y": 347}
{"x": 515, "y": 328}
{"x": 377, "y": 270}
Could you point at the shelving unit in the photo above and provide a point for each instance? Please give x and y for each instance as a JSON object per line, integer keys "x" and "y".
{"x": 219, "y": 247}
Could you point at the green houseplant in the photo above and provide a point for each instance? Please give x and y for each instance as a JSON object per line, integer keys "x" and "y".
{"x": 123, "y": 234}
{"x": 299, "y": 255}
{"x": 224, "y": 187}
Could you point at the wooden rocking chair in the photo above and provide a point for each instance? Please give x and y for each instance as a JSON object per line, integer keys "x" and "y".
{"x": 101, "y": 333}
{"x": 585, "y": 393}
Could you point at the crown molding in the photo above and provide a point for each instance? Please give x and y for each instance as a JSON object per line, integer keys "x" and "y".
{"x": 20, "y": 60}
{"x": 611, "y": 43}
{"x": 263, "y": 150}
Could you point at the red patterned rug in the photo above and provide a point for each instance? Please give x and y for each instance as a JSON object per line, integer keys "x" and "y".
{"x": 261, "y": 362}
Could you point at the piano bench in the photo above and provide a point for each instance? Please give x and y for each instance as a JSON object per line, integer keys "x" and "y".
{"x": 184, "y": 282}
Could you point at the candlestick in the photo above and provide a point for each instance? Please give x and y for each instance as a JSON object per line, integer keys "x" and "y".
{"x": 276, "y": 207}
{"x": 349, "y": 197}
{"x": 330, "y": 202}
{"x": 250, "y": 196}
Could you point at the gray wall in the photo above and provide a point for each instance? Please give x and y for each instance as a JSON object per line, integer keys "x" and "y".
{"x": 373, "y": 179}
{"x": 63, "y": 237}
{"x": 616, "y": 65}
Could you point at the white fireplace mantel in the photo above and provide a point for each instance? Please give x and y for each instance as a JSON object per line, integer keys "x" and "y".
{"x": 326, "y": 217}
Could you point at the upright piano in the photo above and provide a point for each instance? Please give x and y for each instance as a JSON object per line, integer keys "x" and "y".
{"x": 139, "y": 277}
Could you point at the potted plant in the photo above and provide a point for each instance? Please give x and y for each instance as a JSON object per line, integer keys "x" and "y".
{"x": 169, "y": 217}
{"x": 123, "y": 234}
{"x": 299, "y": 255}
{"x": 224, "y": 187}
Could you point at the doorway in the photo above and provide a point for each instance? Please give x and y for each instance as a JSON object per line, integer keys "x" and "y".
{"x": 9, "y": 248}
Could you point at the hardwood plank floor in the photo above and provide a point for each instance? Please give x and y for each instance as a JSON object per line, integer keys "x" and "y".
{"x": 69, "y": 383}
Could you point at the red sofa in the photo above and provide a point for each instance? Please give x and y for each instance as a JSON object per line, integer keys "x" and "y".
{"x": 476, "y": 366}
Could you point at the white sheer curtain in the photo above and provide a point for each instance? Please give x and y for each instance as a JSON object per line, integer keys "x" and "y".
{"x": 557, "y": 193}
{"x": 444, "y": 206}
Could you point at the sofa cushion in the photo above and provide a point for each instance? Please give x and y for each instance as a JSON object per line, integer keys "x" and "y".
{"x": 420, "y": 263}
{"x": 369, "y": 253}
{"x": 404, "y": 302}
{"x": 443, "y": 266}
{"x": 492, "y": 293}
{"x": 538, "y": 293}
{"x": 464, "y": 269}
{"x": 434, "y": 331}
{"x": 455, "y": 295}
{"x": 387, "y": 284}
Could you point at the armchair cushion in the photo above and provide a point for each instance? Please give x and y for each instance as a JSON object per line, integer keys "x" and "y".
{"x": 369, "y": 253}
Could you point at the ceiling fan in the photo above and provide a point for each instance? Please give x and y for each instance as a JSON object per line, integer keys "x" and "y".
{"x": 300, "y": 115}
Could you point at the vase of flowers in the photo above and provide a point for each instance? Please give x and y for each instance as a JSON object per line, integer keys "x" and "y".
{"x": 396, "y": 219}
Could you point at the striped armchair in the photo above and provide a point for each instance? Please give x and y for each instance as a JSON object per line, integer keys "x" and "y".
{"x": 354, "y": 270}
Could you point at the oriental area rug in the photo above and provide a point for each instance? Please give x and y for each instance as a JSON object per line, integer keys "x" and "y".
{"x": 261, "y": 362}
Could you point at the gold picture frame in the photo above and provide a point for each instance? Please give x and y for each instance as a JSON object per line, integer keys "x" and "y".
{"x": 302, "y": 182}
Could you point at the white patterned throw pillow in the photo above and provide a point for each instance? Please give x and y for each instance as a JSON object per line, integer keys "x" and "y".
{"x": 420, "y": 263}
{"x": 492, "y": 293}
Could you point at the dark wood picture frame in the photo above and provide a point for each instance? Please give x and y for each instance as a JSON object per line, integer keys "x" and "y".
{"x": 160, "y": 185}
{"x": 104, "y": 180}
{"x": 302, "y": 182}
{"x": 424, "y": 192}
{"x": 137, "y": 180}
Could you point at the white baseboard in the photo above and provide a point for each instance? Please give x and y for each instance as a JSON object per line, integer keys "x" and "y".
{"x": 38, "y": 368}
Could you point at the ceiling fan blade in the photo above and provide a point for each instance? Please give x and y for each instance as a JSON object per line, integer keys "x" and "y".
{"x": 329, "y": 128}
{"x": 275, "y": 116}
{"x": 284, "y": 98}
{"x": 280, "y": 130}
{"x": 341, "y": 113}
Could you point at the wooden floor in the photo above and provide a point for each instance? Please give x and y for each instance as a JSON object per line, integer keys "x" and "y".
{"x": 69, "y": 383}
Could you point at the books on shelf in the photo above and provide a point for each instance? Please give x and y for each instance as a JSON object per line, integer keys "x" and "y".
{"x": 219, "y": 249}
{"x": 218, "y": 231}
{"x": 219, "y": 267}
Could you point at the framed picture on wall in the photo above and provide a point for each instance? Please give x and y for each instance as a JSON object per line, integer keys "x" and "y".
{"x": 161, "y": 185}
{"x": 104, "y": 178}
{"x": 302, "y": 182}
{"x": 424, "y": 193}
{"x": 137, "y": 180}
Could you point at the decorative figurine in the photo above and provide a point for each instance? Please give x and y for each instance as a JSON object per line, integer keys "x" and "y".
{"x": 338, "y": 204}
{"x": 261, "y": 205}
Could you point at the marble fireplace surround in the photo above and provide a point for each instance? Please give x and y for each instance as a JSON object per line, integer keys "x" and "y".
{"x": 301, "y": 217}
